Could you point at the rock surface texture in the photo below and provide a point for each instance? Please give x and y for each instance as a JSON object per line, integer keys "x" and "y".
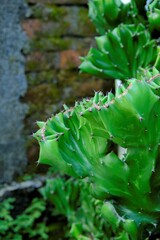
{"x": 13, "y": 86}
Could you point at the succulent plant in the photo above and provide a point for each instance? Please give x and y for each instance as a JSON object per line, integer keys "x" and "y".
{"x": 76, "y": 141}
{"x": 126, "y": 43}
{"x": 107, "y": 14}
{"x": 72, "y": 199}
{"x": 121, "y": 52}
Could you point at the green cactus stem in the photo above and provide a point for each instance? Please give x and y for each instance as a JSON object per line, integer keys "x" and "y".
{"x": 76, "y": 141}
{"x": 106, "y": 14}
{"x": 120, "y": 53}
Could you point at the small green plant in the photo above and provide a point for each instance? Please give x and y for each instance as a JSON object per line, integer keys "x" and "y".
{"x": 72, "y": 199}
{"x": 64, "y": 200}
{"x": 77, "y": 140}
{"x": 24, "y": 225}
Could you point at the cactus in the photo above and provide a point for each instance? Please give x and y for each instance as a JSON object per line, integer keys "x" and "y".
{"x": 106, "y": 14}
{"x": 77, "y": 140}
{"x": 121, "y": 52}
{"x": 67, "y": 196}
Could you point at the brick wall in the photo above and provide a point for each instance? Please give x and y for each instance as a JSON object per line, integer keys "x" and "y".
{"x": 59, "y": 32}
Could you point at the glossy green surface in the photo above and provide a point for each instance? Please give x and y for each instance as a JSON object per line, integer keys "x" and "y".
{"x": 76, "y": 142}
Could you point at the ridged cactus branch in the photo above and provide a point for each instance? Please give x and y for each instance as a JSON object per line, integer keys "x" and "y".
{"x": 121, "y": 52}
{"x": 76, "y": 141}
{"x": 106, "y": 14}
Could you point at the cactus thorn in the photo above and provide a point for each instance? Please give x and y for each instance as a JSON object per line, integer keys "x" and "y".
{"x": 101, "y": 161}
{"x": 140, "y": 119}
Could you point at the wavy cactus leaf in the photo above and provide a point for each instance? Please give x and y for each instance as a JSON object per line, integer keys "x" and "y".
{"x": 131, "y": 228}
{"x": 121, "y": 52}
{"x": 65, "y": 133}
{"x": 105, "y": 14}
{"x": 77, "y": 143}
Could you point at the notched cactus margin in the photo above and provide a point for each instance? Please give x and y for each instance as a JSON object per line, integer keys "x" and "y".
{"x": 120, "y": 53}
{"x": 106, "y": 14}
{"x": 65, "y": 133}
{"x": 76, "y": 142}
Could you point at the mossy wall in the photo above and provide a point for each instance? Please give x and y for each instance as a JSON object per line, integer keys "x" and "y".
{"x": 59, "y": 32}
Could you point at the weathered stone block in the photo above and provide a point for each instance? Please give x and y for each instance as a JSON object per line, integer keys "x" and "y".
{"x": 38, "y": 61}
{"x": 37, "y": 78}
{"x": 75, "y": 22}
{"x": 31, "y": 27}
{"x": 69, "y": 59}
{"x": 48, "y": 12}
{"x": 42, "y": 94}
{"x": 13, "y": 86}
{"x": 59, "y": 2}
{"x": 59, "y": 44}
{"x": 12, "y": 159}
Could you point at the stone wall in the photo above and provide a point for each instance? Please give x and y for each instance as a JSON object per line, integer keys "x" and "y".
{"x": 13, "y": 86}
{"x": 59, "y": 31}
